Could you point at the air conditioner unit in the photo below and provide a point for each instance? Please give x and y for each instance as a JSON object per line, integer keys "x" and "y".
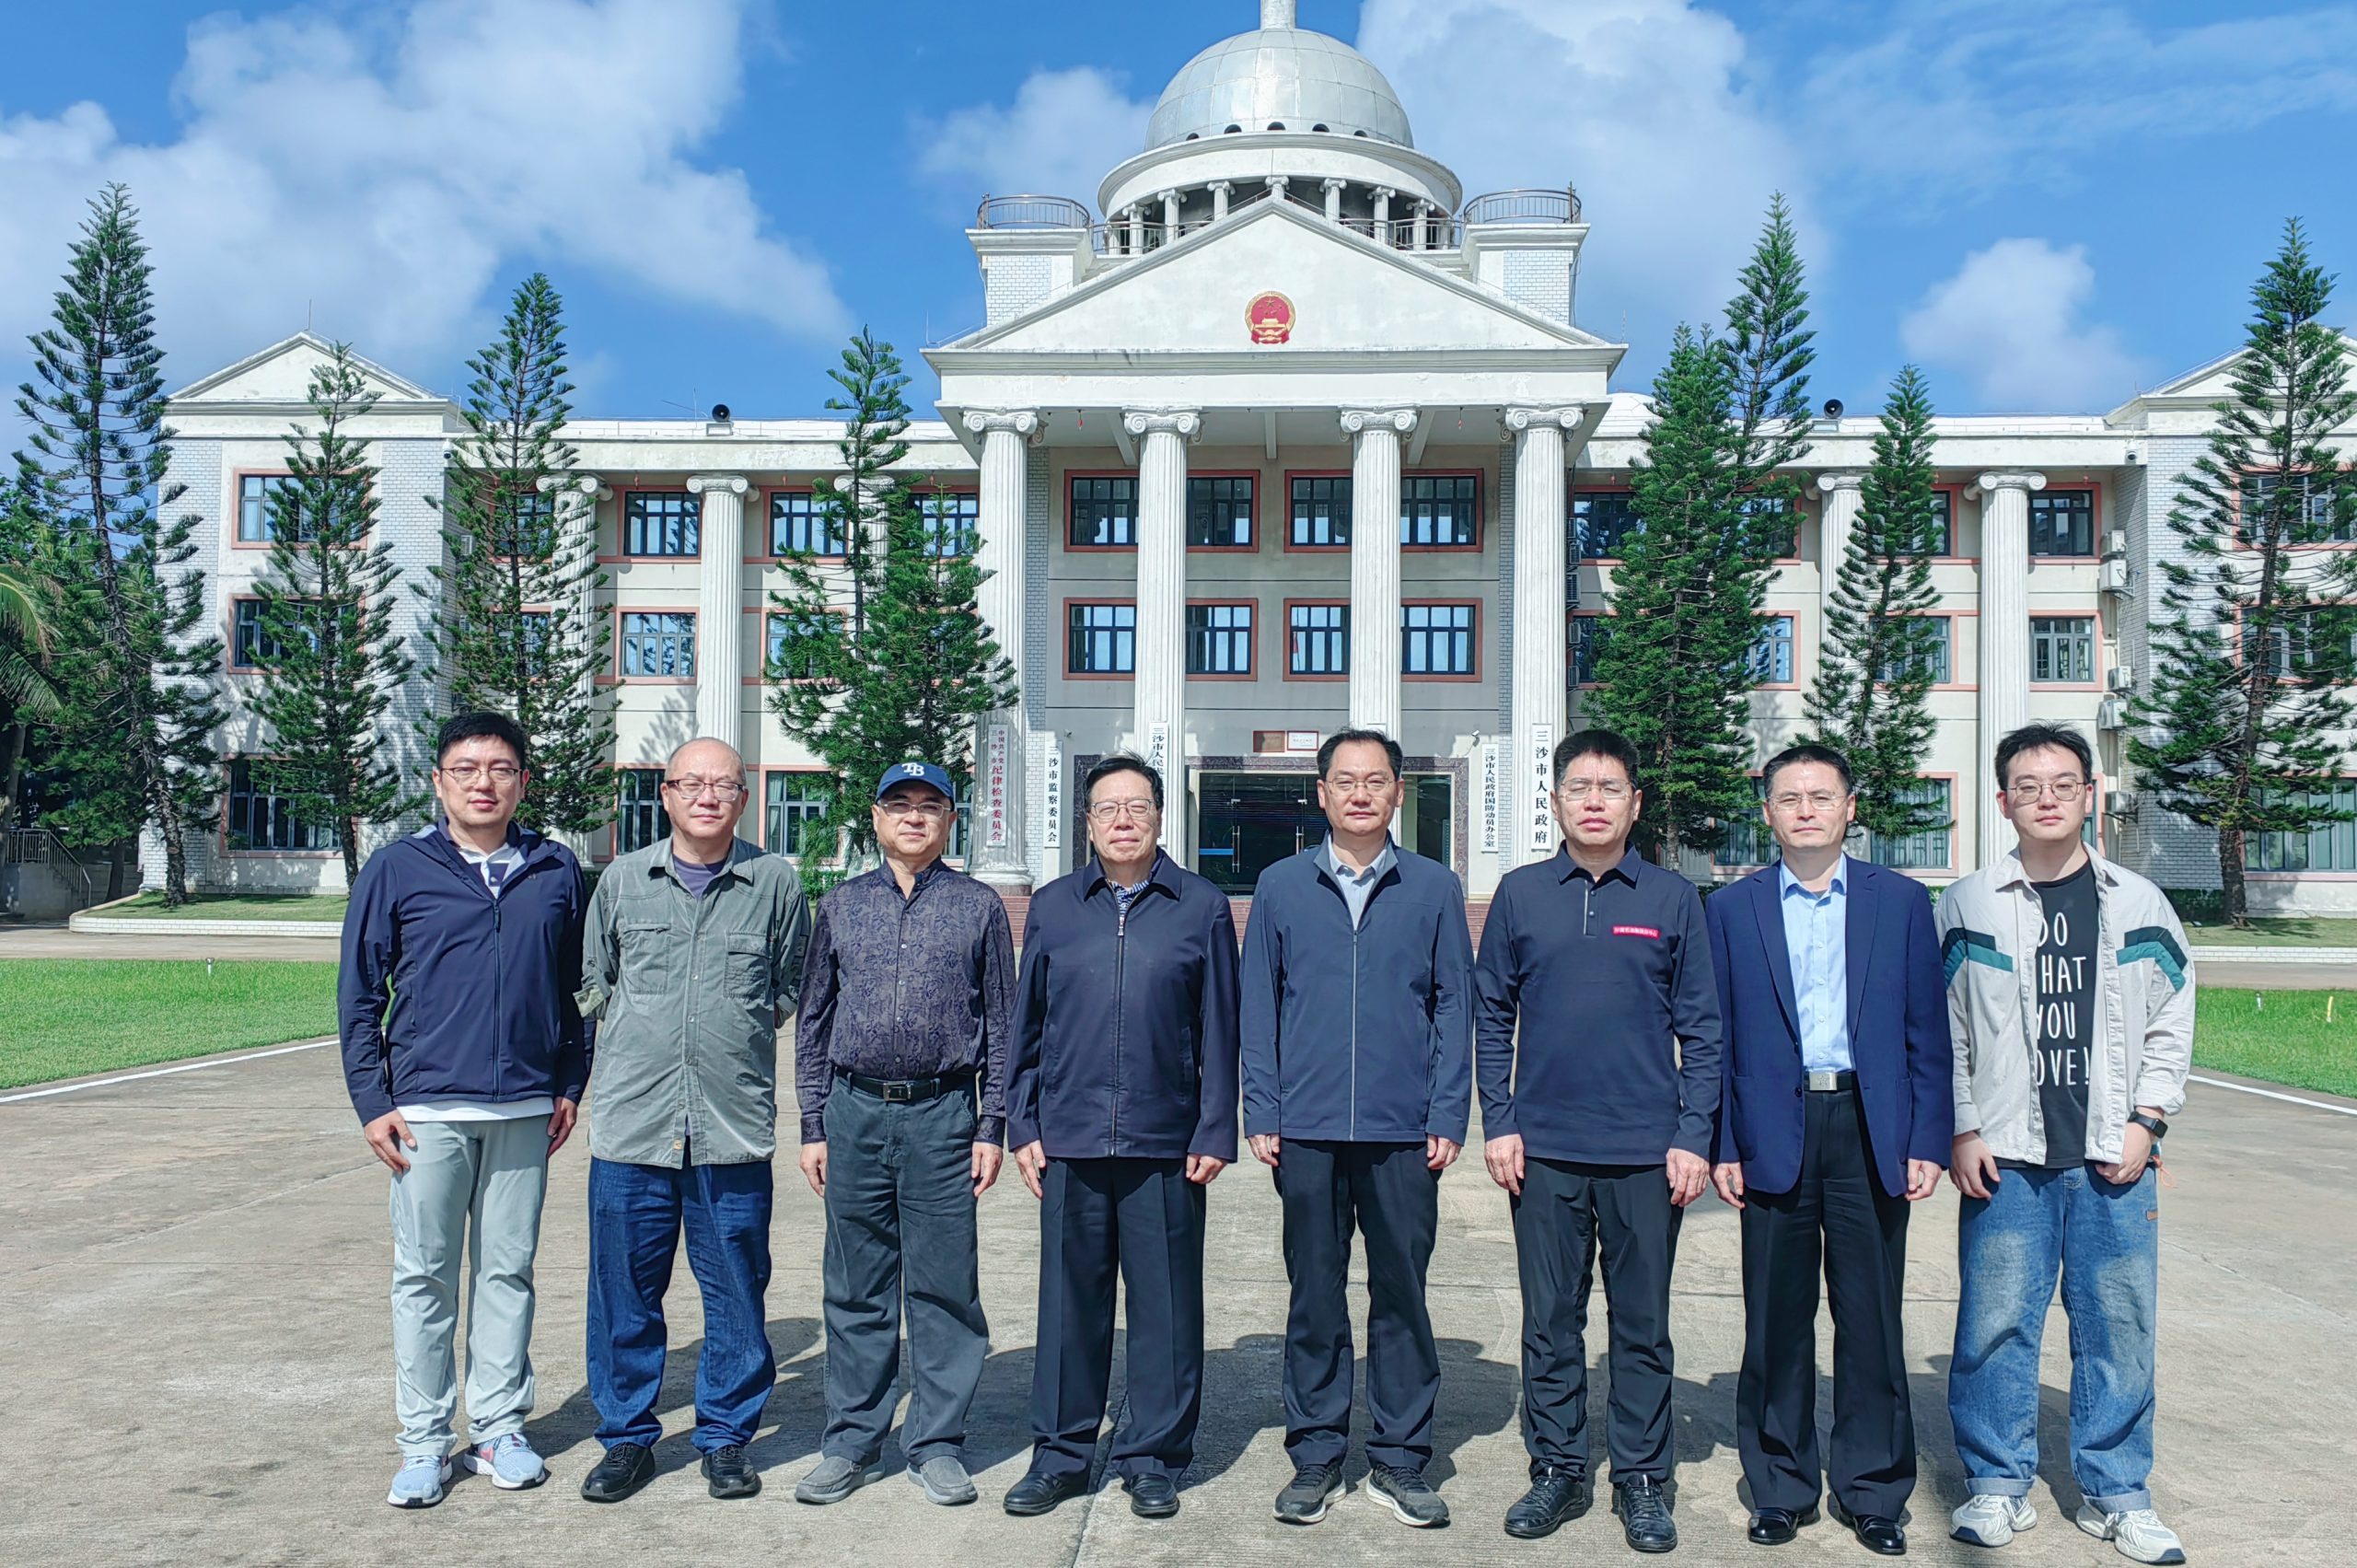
{"x": 2112, "y": 714}
{"x": 2118, "y": 678}
{"x": 2111, "y": 575}
{"x": 2120, "y": 803}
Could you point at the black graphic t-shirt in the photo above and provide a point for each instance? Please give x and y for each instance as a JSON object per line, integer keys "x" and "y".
{"x": 2067, "y": 1005}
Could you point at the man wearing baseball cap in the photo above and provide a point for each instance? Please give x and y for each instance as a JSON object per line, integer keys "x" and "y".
{"x": 901, "y": 1060}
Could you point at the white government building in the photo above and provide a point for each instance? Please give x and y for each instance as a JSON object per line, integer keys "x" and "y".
{"x": 1295, "y": 437}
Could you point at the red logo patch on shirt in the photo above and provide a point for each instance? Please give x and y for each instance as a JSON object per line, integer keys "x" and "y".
{"x": 1637, "y": 930}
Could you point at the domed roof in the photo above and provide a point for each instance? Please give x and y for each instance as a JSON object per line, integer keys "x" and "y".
{"x": 1278, "y": 77}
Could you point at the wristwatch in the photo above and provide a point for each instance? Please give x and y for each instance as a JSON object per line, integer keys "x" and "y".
{"x": 2153, "y": 1124}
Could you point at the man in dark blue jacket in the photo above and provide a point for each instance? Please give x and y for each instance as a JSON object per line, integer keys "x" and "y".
{"x": 1357, "y": 1085}
{"x": 1599, "y": 1072}
{"x": 1122, "y": 1110}
{"x": 1840, "y": 1105}
{"x": 469, "y": 933}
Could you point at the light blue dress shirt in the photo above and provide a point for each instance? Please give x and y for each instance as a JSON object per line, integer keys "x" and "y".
{"x": 1357, "y": 887}
{"x": 1817, "y": 934}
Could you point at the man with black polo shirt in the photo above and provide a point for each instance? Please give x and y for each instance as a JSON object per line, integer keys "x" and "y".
{"x": 1599, "y": 1116}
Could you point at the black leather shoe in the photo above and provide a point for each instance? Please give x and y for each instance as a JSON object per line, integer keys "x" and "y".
{"x": 1152, "y": 1496}
{"x": 1556, "y": 1497}
{"x": 1777, "y": 1526}
{"x": 1876, "y": 1533}
{"x": 625, "y": 1468}
{"x": 1644, "y": 1514}
{"x": 730, "y": 1473}
{"x": 1037, "y": 1494}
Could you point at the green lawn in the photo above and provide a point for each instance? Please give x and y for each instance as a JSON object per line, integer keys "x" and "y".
{"x": 232, "y": 906}
{"x": 2277, "y": 931}
{"x": 66, "y": 1018}
{"x": 2287, "y": 1042}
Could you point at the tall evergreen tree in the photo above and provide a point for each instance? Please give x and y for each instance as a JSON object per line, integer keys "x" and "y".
{"x": 883, "y": 654}
{"x": 1875, "y": 669}
{"x": 1770, "y": 342}
{"x": 2254, "y": 683}
{"x": 330, "y": 658}
{"x": 136, "y": 737}
{"x": 512, "y": 626}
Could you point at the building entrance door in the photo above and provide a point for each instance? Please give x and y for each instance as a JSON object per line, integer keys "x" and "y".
{"x": 1246, "y": 822}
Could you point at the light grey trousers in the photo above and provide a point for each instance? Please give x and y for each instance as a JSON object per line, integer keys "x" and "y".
{"x": 472, "y": 1187}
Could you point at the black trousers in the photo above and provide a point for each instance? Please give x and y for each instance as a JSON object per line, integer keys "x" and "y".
{"x": 1143, "y": 1218}
{"x": 1566, "y": 1215}
{"x": 1839, "y": 1216}
{"x": 1327, "y": 1190}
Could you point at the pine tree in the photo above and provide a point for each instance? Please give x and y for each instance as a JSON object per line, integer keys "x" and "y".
{"x": 2254, "y": 683}
{"x": 136, "y": 736}
{"x": 330, "y": 658}
{"x": 1876, "y": 667}
{"x": 884, "y": 654}
{"x": 512, "y": 626}
{"x": 1771, "y": 341}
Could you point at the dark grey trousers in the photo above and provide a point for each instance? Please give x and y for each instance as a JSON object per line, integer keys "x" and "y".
{"x": 901, "y": 1223}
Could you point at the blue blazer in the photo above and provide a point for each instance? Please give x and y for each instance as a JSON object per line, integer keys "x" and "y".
{"x": 1899, "y": 1027}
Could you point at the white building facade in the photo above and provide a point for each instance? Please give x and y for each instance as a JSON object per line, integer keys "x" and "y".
{"x": 1294, "y": 436}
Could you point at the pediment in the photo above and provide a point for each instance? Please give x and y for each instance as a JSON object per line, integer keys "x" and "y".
{"x": 1348, "y": 293}
{"x": 281, "y": 375}
{"x": 2213, "y": 382}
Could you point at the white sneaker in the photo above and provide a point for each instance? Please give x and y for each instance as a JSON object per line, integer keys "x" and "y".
{"x": 1988, "y": 1520}
{"x": 2138, "y": 1534}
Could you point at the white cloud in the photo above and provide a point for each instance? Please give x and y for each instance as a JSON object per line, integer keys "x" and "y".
{"x": 2009, "y": 322}
{"x": 379, "y": 174}
{"x": 1062, "y": 133}
{"x": 1647, "y": 106}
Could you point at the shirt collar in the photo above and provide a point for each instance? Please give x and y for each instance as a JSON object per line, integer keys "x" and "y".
{"x": 1152, "y": 877}
{"x": 1625, "y": 867}
{"x": 514, "y": 844}
{"x": 1384, "y": 859}
{"x": 1786, "y": 882}
{"x": 666, "y": 860}
{"x": 2010, "y": 873}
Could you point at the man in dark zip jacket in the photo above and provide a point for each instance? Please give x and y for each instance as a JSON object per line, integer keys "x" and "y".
{"x": 466, "y": 1058}
{"x": 1358, "y": 1065}
{"x": 1122, "y": 1112}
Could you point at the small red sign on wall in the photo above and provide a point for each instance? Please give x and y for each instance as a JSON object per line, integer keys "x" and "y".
{"x": 1269, "y": 317}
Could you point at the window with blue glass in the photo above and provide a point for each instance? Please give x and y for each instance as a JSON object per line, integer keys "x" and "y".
{"x": 1746, "y": 841}
{"x": 799, "y": 525}
{"x": 1322, "y": 511}
{"x": 2062, "y": 522}
{"x": 259, "y": 819}
{"x": 256, "y": 524}
{"x": 1778, "y": 523}
{"x": 2061, "y": 649}
{"x": 1586, "y": 643}
{"x": 953, "y": 521}
{"x": 1440, "y": 511}
{"x": 793, "y": 645}
{"x": 1918, "y": 852}
{"x": 638, "y": 820}
{"x": 1102, "y": 639}
{"x": 1104, "y": 511}
{"x": 1219, "y": 512}
{"x": 2331, "y": 846}
{"x": 1770, "y": 662}
{"x": 2318, "y": 515}
{"x": 1437, "y": 639}
{"x": 794, "y": 801}
{"x": 1219, "y": 639}
{"x": 1601, "y": 522}
{"x": 1935, "y": 653}
{"x": 661, "y": 522}
{"x": 659, "y": 643}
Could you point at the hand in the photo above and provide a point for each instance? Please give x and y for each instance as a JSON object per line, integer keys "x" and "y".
{"x": 2135, "y": 1152}
{"x": 1264, "y": 1148}
{"x": 561, "y": 1122}
{"x": 1689, "y": 1174}
{"x": 1973, "y": 1167}
{"x": 1203, "y": 1169}
{"x": 814, "y": 1166}
{"x": 988, "y": 1158}
{"x": 388, "y": 1137}
{"x": 1727, "y": 1177}
{"x": 1031, "y": 1163}
{"x": 1440, "y": 1154}
{"x": 1922, "y": 1179}
{"x": 1503, "y": 1154}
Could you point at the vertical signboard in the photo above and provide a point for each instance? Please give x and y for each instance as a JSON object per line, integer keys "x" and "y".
{"x": 1493, "y": 810}
{"x": 1539, "y": 762}
{"x": 1157, "y": 754}
{"x": 1051, "y": 797}
{"x": 998, "y": 744}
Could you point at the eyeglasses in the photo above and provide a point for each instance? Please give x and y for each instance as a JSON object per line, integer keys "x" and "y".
{"x": 1604, "y": 789}
{"x": 721, "y": 790}
{"x": 1114, "y": 811}
{"x": 2065, "y": 790}
{"x": 1822, "y": 800}
{"x": 468, "y": 772}
{"x": 1347, "y": 785}
{"x": 929, "y": 810}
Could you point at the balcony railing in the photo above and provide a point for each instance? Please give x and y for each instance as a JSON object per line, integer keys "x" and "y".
{"x": 1031, "y": 212}
{"x": 1527, "y": 207}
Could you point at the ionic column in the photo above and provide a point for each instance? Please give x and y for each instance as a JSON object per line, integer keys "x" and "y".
{"x": 1423, "y": 226}
{"x": 1170, "y": 200}
{"x": 1542, "y": 655}
{"x": 1334, "y": 189}
{"x": 1161, "y": 685}
{"x": 1841, "y": 498}
{"x": 1221, "y": 190}
{"x": 2005, "y": 638}
{"x": 1375, "y": 564}
{"x": 1137, "y": 229}
{"x": 1277, "y": 183}
{"x": 997, "y": 834}
{"x": 1383, "y": 195}
{"x": 720, "y": 603}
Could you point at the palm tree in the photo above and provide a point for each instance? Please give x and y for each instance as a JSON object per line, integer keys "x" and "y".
{"x": 25, "y": 684}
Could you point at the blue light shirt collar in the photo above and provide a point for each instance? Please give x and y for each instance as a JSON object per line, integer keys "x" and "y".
{"x": 1816, "y": 935}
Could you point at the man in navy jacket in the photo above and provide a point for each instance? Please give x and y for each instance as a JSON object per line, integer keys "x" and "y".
{"x": 1599, "y": 1072}
{"x": 1839, "y": 1105}
{"x": 466, "y": 1058}
{"x": 1122, "y": 1110}
{"x": 1357, "y": 1087}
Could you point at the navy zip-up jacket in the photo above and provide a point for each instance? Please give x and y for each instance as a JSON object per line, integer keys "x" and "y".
{"x": 1363, "y": 1035}
{"x": 1125, "y": 1028}
{"x": 482, "y": 988}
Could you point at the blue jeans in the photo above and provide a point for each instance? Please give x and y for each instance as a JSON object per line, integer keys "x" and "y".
{"x": 636, "y": 1212}
{"x": 2104, "y": 1241}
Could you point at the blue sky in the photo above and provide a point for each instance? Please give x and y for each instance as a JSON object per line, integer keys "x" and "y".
{"x": 2046, "y": 203}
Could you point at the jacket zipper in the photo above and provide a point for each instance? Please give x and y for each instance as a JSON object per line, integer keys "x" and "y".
{"x": 498, "y": 982}
{"x": 1121, "y": 958}
{"x": 1354, "y": 1016}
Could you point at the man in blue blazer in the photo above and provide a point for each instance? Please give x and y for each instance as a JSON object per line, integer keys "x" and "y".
{"x": 1839, "y": 1106}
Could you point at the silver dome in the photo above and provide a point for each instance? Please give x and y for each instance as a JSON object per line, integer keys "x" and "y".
{"x": 1288, "y": 77}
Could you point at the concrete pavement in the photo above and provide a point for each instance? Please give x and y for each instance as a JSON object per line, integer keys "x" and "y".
{"x": 57, "y": 942}
{"x": 194, "y": 1354}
